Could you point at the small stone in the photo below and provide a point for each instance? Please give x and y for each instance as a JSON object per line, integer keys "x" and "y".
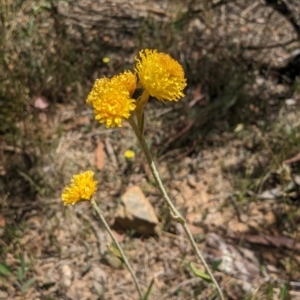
{"x": 290, "y": 102}
{"x": 3, "y": 295}
{"x": 297, "y": 179}
{"x": 270, "y": 194}
{"x": 137, "y": 212}
{"x": 192, "y": 181}
{"x": 260, "y": 81}
{"x": 235, "y": 226}
{"x": 98, "y": 274}
{"x": 66, "y": 275}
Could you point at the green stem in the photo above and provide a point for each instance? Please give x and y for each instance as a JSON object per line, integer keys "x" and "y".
{"x": 174, "y": 212}
{"x": 140, "y": 110}
{"x": 97, "y": 209}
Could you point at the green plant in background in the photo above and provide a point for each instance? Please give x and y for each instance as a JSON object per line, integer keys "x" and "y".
{"x": 21, "y": 281}
{"x": 159, "y": 76}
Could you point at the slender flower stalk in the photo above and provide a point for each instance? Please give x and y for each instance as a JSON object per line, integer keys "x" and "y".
{"x": 140, "y": 109}
{"x": 174, "y": 212}
{"x": 82, "y": 188}
{"x": 124, "y": 258}
{"x": 162, "y": 77}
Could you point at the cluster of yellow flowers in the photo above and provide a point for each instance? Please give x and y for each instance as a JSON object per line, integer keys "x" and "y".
{"x": 158, "y": 74}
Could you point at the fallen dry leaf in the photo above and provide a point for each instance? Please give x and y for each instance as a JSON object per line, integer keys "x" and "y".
{"x": 198, "y": 96}
{"x": 40, "y": 103}
{"x": 267, "y": 240}
{"x": 100, "y": 156}
{"x": 120, "y": 237}
{"x": 85, "y": 120}
{"x": 195, "y": 230}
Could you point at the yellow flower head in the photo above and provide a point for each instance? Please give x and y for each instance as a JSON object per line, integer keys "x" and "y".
{"x": 111, "y": 98}
{"x": 82, "y": 187}
{"x": 160, "y": 75}
{"x": 129, "y": 154}
{"x": 106, "y": 59}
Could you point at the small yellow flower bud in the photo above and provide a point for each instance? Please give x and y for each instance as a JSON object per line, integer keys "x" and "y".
{"x": 106, "y": 60}
{"x": 129, "y": 154}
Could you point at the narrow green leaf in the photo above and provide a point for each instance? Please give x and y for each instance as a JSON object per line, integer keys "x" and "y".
{"x": 115, "y": 251}
{"x": 199, "y": 274}
{"x": 28, "y": 284}
{"x": 148, "y": 290}
{"x": 4, "y": 270}
{"x": 20, "y": 274}
{"x": 23, "y": 265}
{"x": 30, "y": 26}
{"x": 283, "y": 292}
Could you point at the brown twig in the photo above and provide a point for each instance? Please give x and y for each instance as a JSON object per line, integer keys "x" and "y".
{"x": 266, "y": 240}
